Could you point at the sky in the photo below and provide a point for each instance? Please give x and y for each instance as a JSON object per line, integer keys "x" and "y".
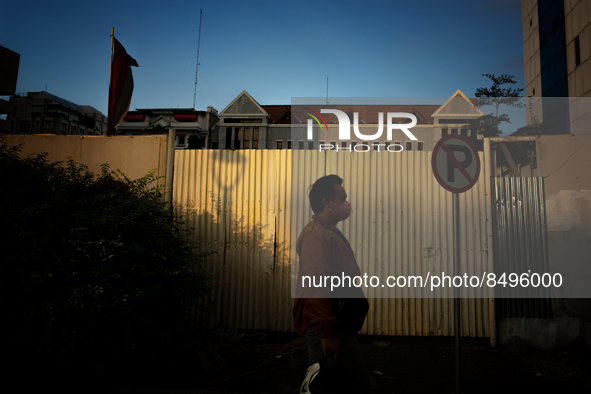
{"x": 274, "y": 50}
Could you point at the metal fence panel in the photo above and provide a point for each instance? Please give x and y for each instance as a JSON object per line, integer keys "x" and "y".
{"x": 249, "y": 205}
{"x": 519, "y": 219}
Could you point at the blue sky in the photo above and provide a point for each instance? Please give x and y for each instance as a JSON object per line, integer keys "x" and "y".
{"x": 274, "y": 50}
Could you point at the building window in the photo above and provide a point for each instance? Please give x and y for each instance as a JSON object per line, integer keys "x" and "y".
{"x": 36, "y": 110}
{"x": 577, "y": 51}
{"x": 454, "y": 131}
{"x": 279, "y": 144}
{"x": 408, "y": 145}
{"x": 444, "y": 132}
{"x": 300, "y": 145}
{"x": 37, "y": 126}
{"x": 289, "y": 144}
{"x": 255, "y": 138}
{"x": 24, "y": 126}
{"x": 387, "y": 143}
{"x": 237, "y": 137}
{"x": 419, "y": 146}
{"x": 464, "y": 132}
{"x": 48, "y": 126}
{"x": 72, "y": 130}
{"x": 333, "y": 145}
{"x": 64, "y": 128}
{"x": 181, "y": 139}
{"x": 246, "y": 138}
{"x": 344, "y": 144}
{"x": 310, "y": 145}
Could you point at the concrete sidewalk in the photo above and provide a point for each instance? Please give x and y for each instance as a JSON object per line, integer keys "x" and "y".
{"x": 406, "y": 365}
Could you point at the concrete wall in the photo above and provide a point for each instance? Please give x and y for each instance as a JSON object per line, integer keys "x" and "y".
{"x": 564, "y": 162}
{"x": 133, "y": 155}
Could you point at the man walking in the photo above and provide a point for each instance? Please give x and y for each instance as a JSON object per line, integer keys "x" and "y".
{"x": 329, "y": 318}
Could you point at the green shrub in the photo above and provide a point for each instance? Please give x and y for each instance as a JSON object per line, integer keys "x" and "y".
{"x": 93, "y": 267}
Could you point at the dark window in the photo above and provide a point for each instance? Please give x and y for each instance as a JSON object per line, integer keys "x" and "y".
{"x": 300, "y": 145}
{"x": 310, "y": 144}
{"x": 344, "y": 144}
{"x": 408, "y": 145}
{"x": 419, "y": 146}
{"x": 444, "y": 132}
{"x": 237, "y": 138}
{"x": 288, "y": 144}
{"x": 36, "y": 110}
{"x": 577, "y": 51}
{"x": 454, "y": 131}
{"x": 453, "y": 121}
{"x": 228, "y": 138}
{"x": 24, "y": 126}
{"x": 279, "y": 144}
{"x": 464, "y": 132}
{"x": 215, "y": 145}
{"x": 334, "y": 144}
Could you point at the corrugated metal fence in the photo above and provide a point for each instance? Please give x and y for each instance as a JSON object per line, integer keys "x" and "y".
{"x": 248, "y": 206}
{"x": 520, "y": 239}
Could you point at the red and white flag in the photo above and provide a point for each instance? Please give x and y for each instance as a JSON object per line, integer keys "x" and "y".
{"x": 121, "y": 86}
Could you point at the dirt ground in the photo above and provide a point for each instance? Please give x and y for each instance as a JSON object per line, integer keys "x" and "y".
{"x": 231, "y": 361}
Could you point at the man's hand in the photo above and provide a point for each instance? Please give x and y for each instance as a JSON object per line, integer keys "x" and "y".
{"x": 330, "y": 347}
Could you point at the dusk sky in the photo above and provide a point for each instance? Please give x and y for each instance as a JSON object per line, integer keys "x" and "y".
{"x": 274, "y": 50}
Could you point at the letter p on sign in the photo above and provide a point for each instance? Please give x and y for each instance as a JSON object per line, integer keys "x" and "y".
{"x": 455, "y": 163}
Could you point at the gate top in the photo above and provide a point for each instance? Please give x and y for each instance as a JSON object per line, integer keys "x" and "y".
{"x": 455, "y": 163}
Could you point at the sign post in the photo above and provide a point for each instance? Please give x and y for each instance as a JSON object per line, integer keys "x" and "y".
{"x": 456, "y": 166}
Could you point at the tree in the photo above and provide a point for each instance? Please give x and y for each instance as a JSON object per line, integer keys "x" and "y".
{"x": 496, "y": 96}
{"x": 96, "y": 271}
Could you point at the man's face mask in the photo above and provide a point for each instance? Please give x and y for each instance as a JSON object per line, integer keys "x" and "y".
{"x": 343, "y": 211}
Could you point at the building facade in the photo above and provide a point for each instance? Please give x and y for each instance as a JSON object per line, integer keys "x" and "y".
{"x": 245, "y": 124}
{"x": 8, "y": 77}
{"x": 45, "y": 113}
{"x": 193, "y": 128}
{"x": 557, "y": 61}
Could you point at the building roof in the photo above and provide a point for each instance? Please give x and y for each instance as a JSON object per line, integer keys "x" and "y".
{"x": 367, "y": 113}
{"x": 87, "y": 109}
{"x": 59, "y": 100}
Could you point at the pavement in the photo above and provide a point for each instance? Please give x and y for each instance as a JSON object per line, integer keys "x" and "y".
{"x": 263, "y": 362}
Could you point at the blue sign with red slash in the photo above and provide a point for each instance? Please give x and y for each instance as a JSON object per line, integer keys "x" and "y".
{"x": 455, "y": 163}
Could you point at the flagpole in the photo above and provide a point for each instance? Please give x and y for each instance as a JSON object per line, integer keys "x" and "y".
{"x": 111, "y": 57}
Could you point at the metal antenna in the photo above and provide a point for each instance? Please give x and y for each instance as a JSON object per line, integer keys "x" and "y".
{"x": 197, "y": 66}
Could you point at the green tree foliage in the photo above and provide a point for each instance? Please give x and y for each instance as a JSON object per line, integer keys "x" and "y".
{"x": 93, "y": 267}
{"x": 195, "y": 142}
{"x": 496, "y": 96}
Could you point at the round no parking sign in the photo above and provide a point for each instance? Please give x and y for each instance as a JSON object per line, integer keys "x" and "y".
{"x": 455, "y": 163}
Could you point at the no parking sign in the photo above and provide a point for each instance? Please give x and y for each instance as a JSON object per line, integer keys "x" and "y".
{"x": 456, "y": 166}
{"x": 455, "y": 163}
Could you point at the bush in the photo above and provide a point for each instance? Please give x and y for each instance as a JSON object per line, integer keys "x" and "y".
{"x": 94, "y": 268}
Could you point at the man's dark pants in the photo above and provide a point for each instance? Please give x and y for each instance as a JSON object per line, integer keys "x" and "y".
{"x": 349, "y": 367}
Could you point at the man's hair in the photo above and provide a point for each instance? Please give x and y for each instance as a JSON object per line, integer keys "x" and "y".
{"x": 321, "y": 189}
